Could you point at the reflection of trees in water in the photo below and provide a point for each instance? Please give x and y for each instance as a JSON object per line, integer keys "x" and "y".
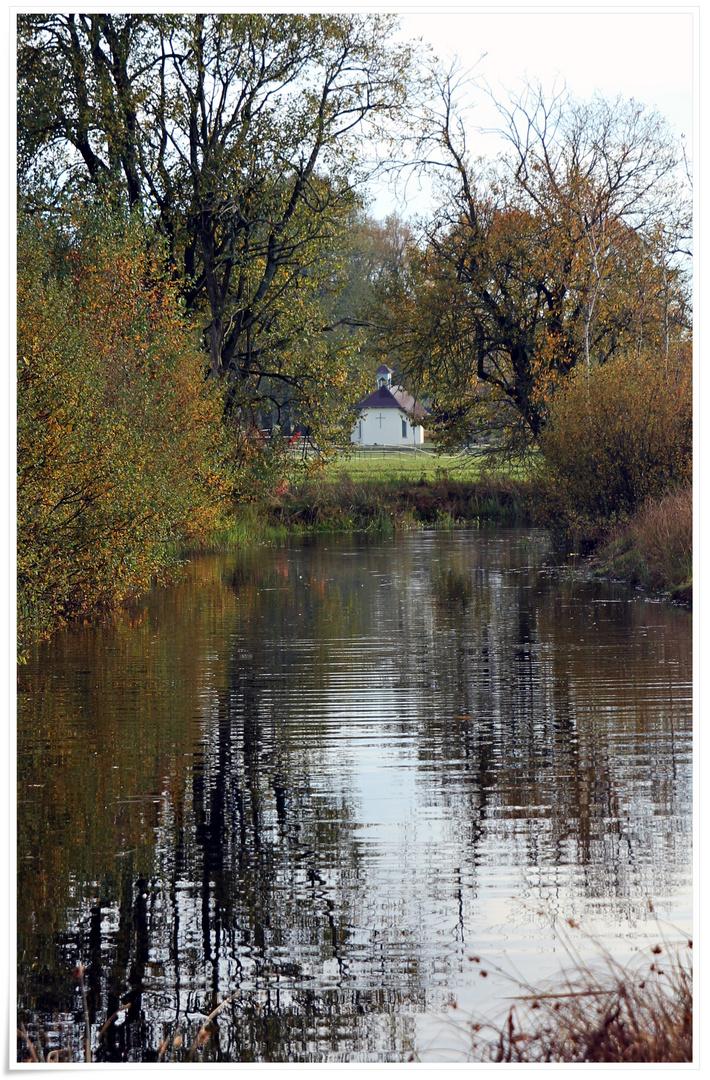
{"x": 240, "y": 867}
{"x": 249, "y": 890}
{"x": 548, "y": 713}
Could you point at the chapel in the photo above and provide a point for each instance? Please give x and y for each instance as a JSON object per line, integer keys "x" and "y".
{"x": 389, "y": 416}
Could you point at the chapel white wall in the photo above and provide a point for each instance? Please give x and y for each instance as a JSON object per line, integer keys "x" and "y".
{"x": 383, "y": 427}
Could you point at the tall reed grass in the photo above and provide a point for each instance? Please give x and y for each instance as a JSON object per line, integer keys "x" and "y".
{"x": 597, "y": 1010}
{"x": 346, "y": 504}
{"x": 654, "y": 549}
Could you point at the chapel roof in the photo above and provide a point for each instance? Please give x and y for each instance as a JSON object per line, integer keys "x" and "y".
{"x": 393, "y": 398}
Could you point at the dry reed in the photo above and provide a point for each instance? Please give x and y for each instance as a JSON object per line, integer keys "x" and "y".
{"x": 654, "y": 548}
{"x": 603, "y": 1011}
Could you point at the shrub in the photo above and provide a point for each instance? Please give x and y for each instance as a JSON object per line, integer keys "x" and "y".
{"x": 617, "y": 436}
{"x": 120, "y": 443}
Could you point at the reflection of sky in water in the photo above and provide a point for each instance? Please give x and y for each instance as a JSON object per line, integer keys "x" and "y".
{"x": 396, "y": 755}
{"x": 415, "y": 844}
{"x": 417, "y": 848}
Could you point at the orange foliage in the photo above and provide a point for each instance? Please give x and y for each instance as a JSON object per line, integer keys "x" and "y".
{"x": 120, "y": 445}
{"x": 619, "y": 435}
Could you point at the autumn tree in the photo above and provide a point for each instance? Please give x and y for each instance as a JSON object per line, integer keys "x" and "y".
{"x": 241, "y": 138}
{"x": 122, "y": 456}
{"x": 567, "y": 249}
{"x": 610, "y": 171}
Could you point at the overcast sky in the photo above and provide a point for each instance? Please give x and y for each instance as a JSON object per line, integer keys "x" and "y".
{"x": 645, "y": 55}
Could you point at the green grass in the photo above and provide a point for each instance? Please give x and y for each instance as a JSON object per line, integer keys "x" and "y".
{"x": 371, "y": 466}
{"x": 367, "y": 493}
{"x": 250, "y": 523}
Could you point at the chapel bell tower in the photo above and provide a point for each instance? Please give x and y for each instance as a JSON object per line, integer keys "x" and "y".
{"x": 384, "y": 377}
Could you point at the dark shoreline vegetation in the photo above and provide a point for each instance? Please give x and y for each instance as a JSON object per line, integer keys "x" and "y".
{"x": 650, "y": 550}
{"x": 653, "y": 550}
{"x": 387, "y": 505}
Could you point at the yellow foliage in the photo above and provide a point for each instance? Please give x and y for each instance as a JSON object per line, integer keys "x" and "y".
{"x": 618, "y": 435}
{"x": 118, "y": 433}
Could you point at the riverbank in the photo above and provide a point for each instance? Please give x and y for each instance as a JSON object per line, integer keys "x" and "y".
{"x": 347, "y": 504}
{"x": 379, "y": 500}
{"x": 653, "y": 550}
{"x": 382, "y": 506}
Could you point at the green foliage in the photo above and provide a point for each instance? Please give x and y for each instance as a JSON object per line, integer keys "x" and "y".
{"x": 617, "y": 435}
{"x": 120, "y": 446}
{"x": 240, "y": 137}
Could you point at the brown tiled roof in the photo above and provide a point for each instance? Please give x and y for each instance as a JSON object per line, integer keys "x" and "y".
{"x": 394, "y": 398}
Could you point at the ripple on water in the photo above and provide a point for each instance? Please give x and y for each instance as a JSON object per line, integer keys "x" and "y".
{"x": 321, "y": 778}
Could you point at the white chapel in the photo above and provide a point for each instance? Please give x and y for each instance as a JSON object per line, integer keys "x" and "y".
{"x": 389, "y": 416}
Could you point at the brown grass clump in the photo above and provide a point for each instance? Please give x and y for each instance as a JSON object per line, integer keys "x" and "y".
{"x": 382, "y": 506}
{"x": 654, "y": 548}
{"x": 664, "y": 532}
{"x": 613, "y": 1014}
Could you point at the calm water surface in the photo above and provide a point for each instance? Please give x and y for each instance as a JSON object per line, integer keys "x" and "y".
{"x": 320, "y": 778}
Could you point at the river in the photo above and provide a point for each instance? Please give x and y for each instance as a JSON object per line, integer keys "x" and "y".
{"x": 315, "y": 782}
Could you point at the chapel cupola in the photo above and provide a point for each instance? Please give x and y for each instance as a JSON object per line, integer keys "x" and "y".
{"x": 384, "y": 377}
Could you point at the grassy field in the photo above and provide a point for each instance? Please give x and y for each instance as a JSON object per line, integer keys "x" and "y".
{"x": 373, "y": 466}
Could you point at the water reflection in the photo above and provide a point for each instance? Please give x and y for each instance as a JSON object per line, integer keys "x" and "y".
{"x": 309, "y": 779}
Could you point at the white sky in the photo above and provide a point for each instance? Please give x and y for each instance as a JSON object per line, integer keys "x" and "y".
{"x": 647, "y": 55}
{"x": 641, "y": 53}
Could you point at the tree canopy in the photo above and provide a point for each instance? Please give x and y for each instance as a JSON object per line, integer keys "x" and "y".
{"x": 241, "y": 138}
{"x": 567, "y": 249}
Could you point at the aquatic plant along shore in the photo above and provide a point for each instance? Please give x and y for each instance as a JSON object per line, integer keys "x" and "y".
{"x": 597, "y": 1009}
